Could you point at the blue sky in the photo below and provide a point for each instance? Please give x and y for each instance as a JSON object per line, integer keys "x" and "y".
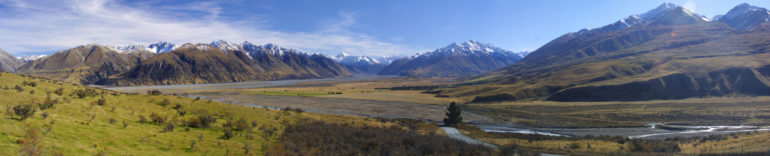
{"x": 365, "y": 27}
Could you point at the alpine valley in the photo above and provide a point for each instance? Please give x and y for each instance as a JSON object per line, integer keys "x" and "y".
{"x": 666, "y": 53}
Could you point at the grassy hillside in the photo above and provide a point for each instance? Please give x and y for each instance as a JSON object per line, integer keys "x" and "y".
{"x": 71, "y": 119}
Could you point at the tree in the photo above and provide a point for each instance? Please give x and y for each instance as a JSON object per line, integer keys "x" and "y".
{"x": 453, "y": 115}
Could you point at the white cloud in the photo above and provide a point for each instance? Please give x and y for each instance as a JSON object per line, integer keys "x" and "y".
{"x": 689, "y": 5}
{"x": 34, "y": 25}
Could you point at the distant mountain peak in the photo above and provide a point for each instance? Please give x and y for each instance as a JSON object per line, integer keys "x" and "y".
{"x": 161, "y": 47}
{"x": 745, "y": 16}
{"x": 662, "y": 9}
{"x": 466, "y": 48}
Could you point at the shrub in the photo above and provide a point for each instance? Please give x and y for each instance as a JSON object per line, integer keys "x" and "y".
{"x": 157, "y": 118}
{"x": 242, "y": 125}
{"x": 142, "y": 119}
{"x": 177, "y": 106}
{"x": 154, "y": 92}
{"x": 44, "y": 114}
{"x": 169, "y": 127}
{"x": 113, "y": 121}
{"x": 28, "y": 83}
{"x": 24, "y": 111}
{"x": 101, "y": 101}
{"x": 59, "y": 91}
{"x": 228, "y": 134}
{"x": 164, "y": 103}
{"x": 203, "y": 120}
{"x": 85, "y": 93}
{"x": 48, "y": 103}
{"x": 18, "y": 88}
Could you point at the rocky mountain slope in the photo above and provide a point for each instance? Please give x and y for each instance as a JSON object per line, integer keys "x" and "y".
{"x": 666, "y": 53}
{"x": 8, "y": 63}
{"x": 454, "y": 60}
{"x": 84, "y": 64}
{"x": 225, "y": 62}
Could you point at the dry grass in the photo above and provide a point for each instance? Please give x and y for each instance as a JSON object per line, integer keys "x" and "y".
{"x": 703, "y": 111}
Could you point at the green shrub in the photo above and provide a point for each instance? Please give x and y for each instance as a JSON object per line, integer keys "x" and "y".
{"x": 101, "y": 101}
{"x": 154, "y": 92}
{"x": 23, "y": 111}
{"x": 157, "y": 118}
{"x": 48, "y": 103}
{"x": 169, "y": 127}
{"x": 59, "y": 91}
{"x": 228, "y": 134}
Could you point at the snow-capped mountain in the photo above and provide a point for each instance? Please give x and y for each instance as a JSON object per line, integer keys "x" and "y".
{"x": 157, "y": 48}
{"x": 346, "y": 58}
{"x": 161, "y": 47}
{"x": 745, "y": 16}
{"x": 454, "y": 60}
{"x": 29, "y": 58}
{"x": 666, "y": 14}
{"x": 129, "y": 48}
{"x": 365, "y": 64}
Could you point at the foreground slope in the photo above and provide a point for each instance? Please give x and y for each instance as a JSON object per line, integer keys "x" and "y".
{"x": 84, "y": 64}
{"x": 454, "y": 60}
{"x": 70, "y": 119}
{"x": 671, "y": 53}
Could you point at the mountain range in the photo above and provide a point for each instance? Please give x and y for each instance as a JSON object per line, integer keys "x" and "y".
{"x": 364, "y": 64}
{"x": 455, "y": 60}
{"x": 666, "y": 53}
{"x": 225, "y": 62}
{"x": 165, "y": 63}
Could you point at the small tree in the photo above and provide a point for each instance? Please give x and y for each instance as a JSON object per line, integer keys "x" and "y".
{"x": 453, "y": 115}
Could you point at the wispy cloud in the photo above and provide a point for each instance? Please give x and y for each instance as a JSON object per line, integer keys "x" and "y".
{"x": 35, "y": 25}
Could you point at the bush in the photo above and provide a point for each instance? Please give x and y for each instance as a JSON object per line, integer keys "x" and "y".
{"x": 164, "y": 103}
{"x": 101, "y": 101}
{"x": 202, "y": 121}
{"x": 59, "y": 91}
{"x": 113, "y": 121}
{"x": 228, "y": 134}
{"x": 18, "y": 88}
{"x": 157, "y": 118}
{"x": 27, "y": 83}
{"x": 48, "y": 103}
{"x": 169, "y": 127}
{"x": 23, "y": 111}
{"x": 85, "y": 93}
{"x": 242, "y": 125}
{"x": 154, "y": 92}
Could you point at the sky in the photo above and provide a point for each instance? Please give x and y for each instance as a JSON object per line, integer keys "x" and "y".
{"x": 362, "y": 27}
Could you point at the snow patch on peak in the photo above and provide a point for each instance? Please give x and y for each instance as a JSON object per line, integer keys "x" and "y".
{"x": 225, "y": 46}
{"x": 161, "y": 47}
{"x": 30, "y": 58}
{"x": 471, "y": 47}
{"x": 129, "y": 48}
{"x": 662, "y": 9}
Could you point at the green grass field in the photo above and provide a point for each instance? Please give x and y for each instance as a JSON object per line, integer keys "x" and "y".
{"x": 112, "y": 123}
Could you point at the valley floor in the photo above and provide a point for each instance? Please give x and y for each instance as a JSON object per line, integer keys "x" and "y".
{"x": 371, "y": 97}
